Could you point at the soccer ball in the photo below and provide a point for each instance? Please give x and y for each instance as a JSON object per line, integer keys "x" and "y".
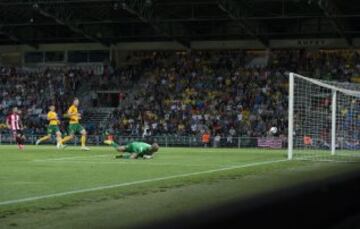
{"x": 273, "y": 130}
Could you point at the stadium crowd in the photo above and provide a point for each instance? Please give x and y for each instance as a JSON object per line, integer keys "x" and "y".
{"x": 182, "y": 93}
{"x": 34, "y": 91}
{"x": 218, "y": 92}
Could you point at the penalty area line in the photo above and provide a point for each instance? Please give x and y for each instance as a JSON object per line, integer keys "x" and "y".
{"x": 105, "y": 187}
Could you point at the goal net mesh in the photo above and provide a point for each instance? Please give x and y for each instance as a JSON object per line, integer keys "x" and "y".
{"x": 325, "y": 120}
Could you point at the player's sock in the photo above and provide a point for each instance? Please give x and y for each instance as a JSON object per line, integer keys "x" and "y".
{"x": 83, "y": 140}
{"x": 59, "y": 140}
{"x": 112, "y": 143}
{"x": 115, "y": 145}
{"x": 126, "y": 156}
{"x": 18, "y": 140}
{"x": 66, "y": 139}
{"x": 45, "y": 138}
{"x": 22, "y": 141}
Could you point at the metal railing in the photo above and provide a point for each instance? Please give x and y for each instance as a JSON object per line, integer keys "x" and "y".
{"x": 164, "y": 141}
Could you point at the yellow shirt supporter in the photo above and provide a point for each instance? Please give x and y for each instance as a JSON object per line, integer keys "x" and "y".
{"x": 53, "y": 119}
{"x": 74, "y": 115}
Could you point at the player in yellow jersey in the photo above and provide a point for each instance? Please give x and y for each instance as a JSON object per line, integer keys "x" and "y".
{"x": 53, "y": 128}
{"x": 74, "y": 125}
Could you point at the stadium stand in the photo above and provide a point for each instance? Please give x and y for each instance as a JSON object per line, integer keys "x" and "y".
{"x": 179, "y": 92}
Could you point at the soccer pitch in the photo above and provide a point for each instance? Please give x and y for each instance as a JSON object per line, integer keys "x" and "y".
{"x": 42, "y": 187}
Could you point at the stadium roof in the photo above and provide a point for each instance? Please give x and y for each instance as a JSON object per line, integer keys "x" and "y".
{"x": 110, "y": 22}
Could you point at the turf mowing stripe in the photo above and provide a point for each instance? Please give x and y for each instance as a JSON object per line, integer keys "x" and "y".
{"x": 127, "y": 163}
{"x": 70, "y": 158}
{"x": 8, "y": 202}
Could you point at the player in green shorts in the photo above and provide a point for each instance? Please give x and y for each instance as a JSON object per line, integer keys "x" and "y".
{"x": 134, "y": 150}
{"x": 53, "y": 128}
{"x": 74, "y": 125}
{"x": 75, "y": 128}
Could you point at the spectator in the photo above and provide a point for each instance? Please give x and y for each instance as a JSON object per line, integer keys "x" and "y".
{"x": 205, "y": 139}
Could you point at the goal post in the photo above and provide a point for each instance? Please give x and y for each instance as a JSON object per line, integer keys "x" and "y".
{"x": 323, "y": 119}
{"x": 333, "y": 122}
{"x": 291, "y": 117}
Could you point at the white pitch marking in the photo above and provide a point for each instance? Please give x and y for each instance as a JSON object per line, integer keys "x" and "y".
{"x": 16, "y": 201}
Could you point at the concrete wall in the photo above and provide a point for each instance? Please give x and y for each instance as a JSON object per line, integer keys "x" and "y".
{"x": 52, "y": 47}
{"x": 165, "y": 45}
{"x": 309, "y": 43}
{"x": 122, "y": 48}
{"x": 235, "y": 44}
{"x": 171, "y": 45}
{"x": 356, "y": 42}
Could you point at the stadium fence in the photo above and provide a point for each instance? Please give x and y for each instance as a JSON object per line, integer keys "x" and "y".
{"x": 170, "y": 141}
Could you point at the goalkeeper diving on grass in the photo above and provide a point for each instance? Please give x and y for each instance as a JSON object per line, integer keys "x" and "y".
{"x": 134, "y": 150}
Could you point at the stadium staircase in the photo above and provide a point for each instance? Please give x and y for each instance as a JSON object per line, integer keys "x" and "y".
{"x": 84, "y": 94}
{"x": 93, "y": 117}
{"x": 260, "y": 61}
{"x": 97, "y": 117}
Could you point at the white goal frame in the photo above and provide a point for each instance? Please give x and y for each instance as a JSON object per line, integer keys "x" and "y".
{"x": 335, "y": 90}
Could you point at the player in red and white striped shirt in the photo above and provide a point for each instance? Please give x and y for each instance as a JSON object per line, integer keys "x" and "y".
{"x": 13, "y": 122}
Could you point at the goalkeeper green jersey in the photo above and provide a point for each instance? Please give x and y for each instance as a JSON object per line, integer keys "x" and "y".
{"x": 140, "y": 148}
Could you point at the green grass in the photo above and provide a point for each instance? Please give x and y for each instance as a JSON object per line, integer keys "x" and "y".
{"x": 42, "y": 187}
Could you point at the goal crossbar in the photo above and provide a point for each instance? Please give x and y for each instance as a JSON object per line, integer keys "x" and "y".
{"x": 328, "y": 86}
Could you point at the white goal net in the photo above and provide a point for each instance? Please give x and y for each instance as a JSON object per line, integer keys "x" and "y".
{"x": 324, "y": 119}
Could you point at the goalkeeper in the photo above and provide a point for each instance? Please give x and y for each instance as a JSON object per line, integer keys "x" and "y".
{"x": 134, "y": 150}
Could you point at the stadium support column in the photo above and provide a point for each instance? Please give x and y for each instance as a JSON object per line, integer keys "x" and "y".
{"x": 291, "y": 116}
{"x": 333, "y": 123}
